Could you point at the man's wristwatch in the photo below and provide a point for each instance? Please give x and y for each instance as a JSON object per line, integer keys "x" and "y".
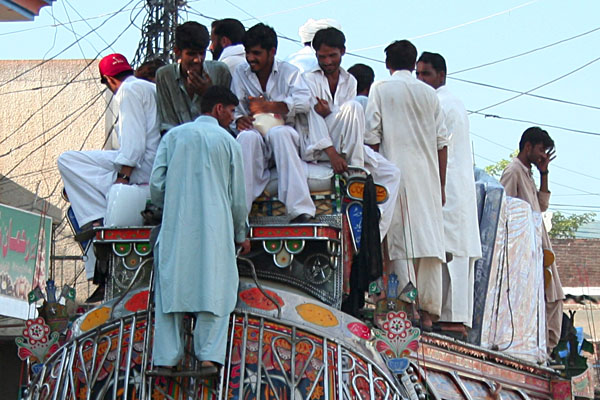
{"x": 544, "y": 172}
{"x": 122, "y": 176}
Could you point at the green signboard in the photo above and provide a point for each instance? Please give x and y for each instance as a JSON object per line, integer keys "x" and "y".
{"x": 25, "y": 240}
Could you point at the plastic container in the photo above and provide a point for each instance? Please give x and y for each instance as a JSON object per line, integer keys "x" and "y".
{"x": 124, "y": 205}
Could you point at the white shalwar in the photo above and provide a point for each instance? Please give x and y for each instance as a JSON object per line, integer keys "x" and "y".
{"x": 344, "y": 129}
{"x": 233, "y": 56}
{"x": 461, "y": 225}
{"x": 280, "y": 144}
{"x": 88, "y": 175}
{"x": 404, "y": 116}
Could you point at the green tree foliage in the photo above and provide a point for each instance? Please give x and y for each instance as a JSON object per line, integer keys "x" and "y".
{"x": 495, "y": 170}
{"x": 563, "y": 226}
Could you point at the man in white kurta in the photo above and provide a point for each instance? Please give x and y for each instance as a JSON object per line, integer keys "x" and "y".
{"x": 198, "y": 180}
{"x": 461, "y": 226}
{"x": 226, "y": 42}
{"x": 405, "y": 121}
{"x": 304, "y": 59}
{"x": 267, "y": 85}
{"x": 537, "y": 148}
{"x": 335, "y": 125}
{"x": 88, "y": 175}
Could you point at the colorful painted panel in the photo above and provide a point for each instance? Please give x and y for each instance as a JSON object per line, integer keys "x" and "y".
{"x": 477, "y": 390}
{"x": 444, "y": 385}
{"x": 274, "y": 361}
{"x": 25, "y": 240}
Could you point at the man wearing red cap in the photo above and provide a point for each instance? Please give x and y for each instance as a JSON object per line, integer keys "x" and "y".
{"x": 88, "y": 175}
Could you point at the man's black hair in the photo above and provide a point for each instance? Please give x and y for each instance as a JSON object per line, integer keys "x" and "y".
{"x": 229, "y": 28}
{"x": 535, "y": 135}
{"x": 401, "y": 54}
{"x": 148, "y": 69}
{"x": 436, "y": 60}
{"x": 331, "y": 37}
{"x": 191, "y": 35}
{"x": 364, "y": 76}
{"x": 260, "y": 35}
{"x": 217, "y": 94}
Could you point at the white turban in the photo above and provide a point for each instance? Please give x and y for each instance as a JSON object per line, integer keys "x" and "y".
{"x": 312, "y": 26}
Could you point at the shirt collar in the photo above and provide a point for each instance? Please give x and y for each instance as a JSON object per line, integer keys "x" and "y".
{"x": 343, "y": 73}
{"x": 178, "y": 72}
{"x": 402, "y": 72}
{"x": 442, "y": 89}
{"x": 233, "y": 50}
{"x": 274, "y": 70}
{"x": 208, "y": 119}
{"x": 523, "y": 166}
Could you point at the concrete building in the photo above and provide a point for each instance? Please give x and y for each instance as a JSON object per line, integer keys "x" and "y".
{"x": 45, "y": 108}
{"x": 50, "y": 107}
{"x": 579, "y": 267}
{"x": 21, "y": 10}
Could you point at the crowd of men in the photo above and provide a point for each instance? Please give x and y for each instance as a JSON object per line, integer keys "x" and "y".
{"x": 411, "y": 133}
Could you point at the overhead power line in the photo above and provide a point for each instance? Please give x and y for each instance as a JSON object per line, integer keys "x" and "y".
{"x": 535, "y": 123}
{"x": 59, "y": 24}
{"x": 58, "y": 92}
{"x": 288, "y": 10}
{"x": 82, "y": 110}
{"x": 2, "y": 84}
{"x": 525, "y": 93}
{"x": 524, "y": 53}
{"x": 454, "y": 27}
{"x": 543, "y": 84}
{"x": 553, "y": 164}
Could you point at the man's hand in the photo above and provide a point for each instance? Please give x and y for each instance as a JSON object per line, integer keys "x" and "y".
{"x": 121, "y": 180}
{"x": 322, "y": 107}
{"x": 198, "y": 83}
{"x": 542, "y": 165}
{"x": 258, "y": 105}
{"x": 245, "y": 247}
{"x": 244, "y": 123}
{"x": 338, "y": 163}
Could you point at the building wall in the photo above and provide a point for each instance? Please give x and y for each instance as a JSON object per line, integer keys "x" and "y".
{"x": 578, "y": 261}
{"x": 45, "y": 110}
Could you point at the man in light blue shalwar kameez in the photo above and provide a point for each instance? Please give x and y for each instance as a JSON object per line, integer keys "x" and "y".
{"x": 198, "y": 179}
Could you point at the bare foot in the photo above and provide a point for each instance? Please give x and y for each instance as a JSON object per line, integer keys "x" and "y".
{"x": 208, "y": 364}
{"x": 426, "y": 321}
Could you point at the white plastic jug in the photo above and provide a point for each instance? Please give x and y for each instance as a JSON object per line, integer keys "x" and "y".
{"x": 125, "y": 203}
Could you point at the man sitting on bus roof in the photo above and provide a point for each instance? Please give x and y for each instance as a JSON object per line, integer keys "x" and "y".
{"x": 180, "y": 86}
{"x": 88, "y": 175}
{"x": 226, "y": 42}
{"x": 333, "y": 130}
{"x": 266, "y": 85}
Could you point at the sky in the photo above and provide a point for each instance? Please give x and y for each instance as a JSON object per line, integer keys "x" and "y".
{"x": 559, "y": 68}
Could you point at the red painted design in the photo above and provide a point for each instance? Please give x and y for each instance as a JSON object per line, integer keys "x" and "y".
{"x": 254, "y": 298}
{"x": 359, "y": 329}
{"x": 282, "y": 231}
{"x": 123, "y": 234}
{"x": 138, "y": 302}
{"x": 293, "y": 231}
{"x": 327, "y": 232}
{"x": 561, "y": 390}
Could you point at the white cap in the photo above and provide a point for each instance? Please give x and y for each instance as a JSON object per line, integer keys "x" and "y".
{"x": 312, "y": 26}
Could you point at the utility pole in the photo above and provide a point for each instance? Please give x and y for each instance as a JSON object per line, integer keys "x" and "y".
{"x": 158, "y": 31}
